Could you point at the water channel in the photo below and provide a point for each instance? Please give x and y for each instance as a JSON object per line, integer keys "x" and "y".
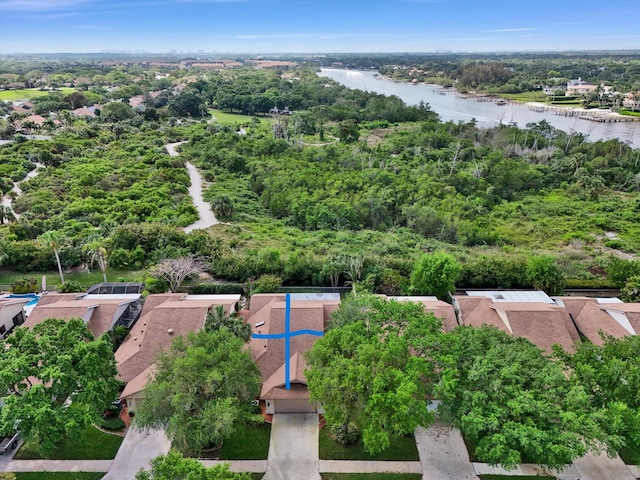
{"x": 487, "y": 114}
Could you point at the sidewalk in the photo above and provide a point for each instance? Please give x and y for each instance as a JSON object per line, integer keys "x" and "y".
{"x": 59, "y": 466}
{"x": 368, "y": 466}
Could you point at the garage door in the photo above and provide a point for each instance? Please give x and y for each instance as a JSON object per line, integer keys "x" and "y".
{"x": 294, "y": 406}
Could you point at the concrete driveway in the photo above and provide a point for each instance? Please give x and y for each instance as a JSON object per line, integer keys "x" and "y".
{"x": 293, "y": 450}
{"x": 7, "y": 457}
{"x": 136, "y": 452}
{"x": 443, "y": 454}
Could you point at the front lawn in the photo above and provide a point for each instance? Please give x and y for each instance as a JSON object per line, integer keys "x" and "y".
{"x": 92, "y": 445}
{"x": 247, "y": 443}
{"x": 630, "y": 456}
{"x": 371, "y": 476}
{"x": 401, "y": 449}
{"x": 59, "y": 475}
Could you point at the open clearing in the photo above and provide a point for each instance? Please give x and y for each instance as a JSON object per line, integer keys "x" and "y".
{"x": 29, "y": 93}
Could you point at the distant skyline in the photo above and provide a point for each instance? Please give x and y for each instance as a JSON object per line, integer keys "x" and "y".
{"x": 323, "y": 26}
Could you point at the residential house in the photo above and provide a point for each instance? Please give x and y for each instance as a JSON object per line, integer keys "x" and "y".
{"x": 529, "y": 314}
{"x": 164, "y": 317}
{"x": 11, "y": 313}
{"x": 267, "y": 316}
{"x": 580, "y": 87}
{"x": 594, "y": 317}
{"x": 100, "y": 313}
{"x": 631, "y": 101}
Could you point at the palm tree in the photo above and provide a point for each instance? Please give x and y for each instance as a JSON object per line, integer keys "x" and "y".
{"x": 98, "y": 253}
{"x": 6, "y": 214}
{"x": 54, "y": 239}
{"x": 218, "y": 318}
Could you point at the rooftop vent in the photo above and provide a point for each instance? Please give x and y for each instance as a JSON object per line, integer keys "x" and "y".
{"x": 259, "y": 324}
{"x": 170, "y": 331}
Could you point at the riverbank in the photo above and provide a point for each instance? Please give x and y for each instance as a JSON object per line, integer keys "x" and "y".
{"x": 451, "y": 105}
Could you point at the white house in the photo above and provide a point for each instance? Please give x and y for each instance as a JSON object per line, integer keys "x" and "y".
{"x": 11, "y": 313}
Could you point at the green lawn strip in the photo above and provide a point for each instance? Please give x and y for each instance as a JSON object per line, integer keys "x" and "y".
{"x": 401, "y": 449}
{"x": 247, "y": 443}
{"x": 630, "y": 456}
{"x": 92, "y": 445}
{"x": 85, "y": 279}
{"x": 226, "y": 117}
{"x": 59, "y": 475}
{"x": 371, "y": 476}
{"x": 28, "y": 93}
{"x": 515, "y": 477}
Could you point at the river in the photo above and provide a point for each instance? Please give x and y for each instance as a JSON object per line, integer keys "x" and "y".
{"x": 487, "y": 114}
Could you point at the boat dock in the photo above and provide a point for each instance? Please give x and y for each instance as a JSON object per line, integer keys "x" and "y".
{"x": 593, "y": 115}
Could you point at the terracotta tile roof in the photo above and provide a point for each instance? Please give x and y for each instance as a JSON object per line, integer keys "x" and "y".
{"x": 163, "y": 318}
{"x": 541, "y": 323}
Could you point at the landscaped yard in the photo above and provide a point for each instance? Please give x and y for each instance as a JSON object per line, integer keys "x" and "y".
{"x": 92, "y": 445}
{"x": 247, "y": 443}
{"x": 226, "y": 117}
{"x": 371, "y": 476}
{"x": 59, "y": 475}
{"x": 28, "y": 93}
{"x": 401, "y": 449}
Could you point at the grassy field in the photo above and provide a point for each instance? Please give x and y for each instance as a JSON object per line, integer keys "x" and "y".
{"x": 92, "y": 445}
{"x": 226, "y": 117}
{"x": 402, "y": 449}
{"x": 83, "y": 278}
{"x": 525, "y": 96}
{"x": 29, "y": 93}
{"x": 371, "y": 476}
{"x": 247, "y": 443}
{"x": 59, "y": 475}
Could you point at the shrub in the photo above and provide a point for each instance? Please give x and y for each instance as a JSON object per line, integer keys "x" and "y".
{"x": 267, "y": 284}
{"x": 215, "y": 288}
{"x": 70, "y": 286}
{"x": 619, "y": 270}
{"x": 113, "y": 424}
{"x": 631, "y": 290}
{"x": 345, "y": 434}
{"x": 24, "y": 285}
{"x": 544, "y": 274}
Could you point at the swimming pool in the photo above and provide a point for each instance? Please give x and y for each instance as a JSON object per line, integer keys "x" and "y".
{"x": 33, "y": 296}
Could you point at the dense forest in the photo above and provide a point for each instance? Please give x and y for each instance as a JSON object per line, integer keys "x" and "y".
{"x": 317, "y": 185}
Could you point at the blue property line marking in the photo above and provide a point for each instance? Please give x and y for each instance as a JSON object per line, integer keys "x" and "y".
{"x": 287, "y": 338}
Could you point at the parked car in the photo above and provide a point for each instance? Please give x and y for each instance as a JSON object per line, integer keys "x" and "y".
{"x": 10, "y": 442}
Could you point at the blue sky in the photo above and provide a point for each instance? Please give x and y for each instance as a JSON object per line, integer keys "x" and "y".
{"x": 307, "y": 26}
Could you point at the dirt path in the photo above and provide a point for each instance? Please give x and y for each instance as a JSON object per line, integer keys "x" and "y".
{"x": 7, "y": 200}
{"x": 207, "y": 218}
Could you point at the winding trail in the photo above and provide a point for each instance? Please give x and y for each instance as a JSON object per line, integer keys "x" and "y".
{"x": 7, "y": 200}
{"x": 207, "y": 218}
